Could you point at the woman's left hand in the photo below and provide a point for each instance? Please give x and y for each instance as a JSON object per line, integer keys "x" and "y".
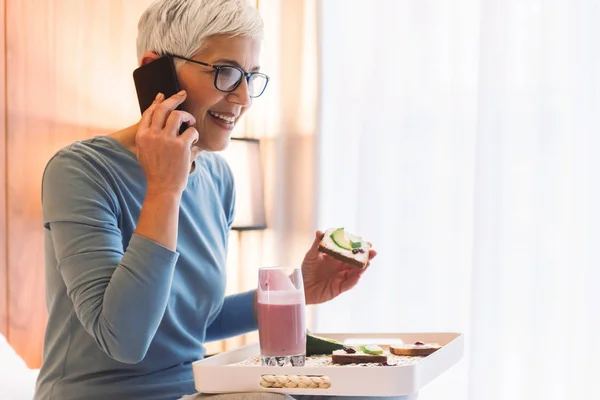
{"x": 324, "y": 277}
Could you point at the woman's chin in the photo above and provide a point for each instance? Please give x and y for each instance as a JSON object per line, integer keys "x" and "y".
{"x": 213, "y": 145}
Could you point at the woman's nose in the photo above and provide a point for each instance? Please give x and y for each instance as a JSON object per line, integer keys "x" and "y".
{"x": 242, "y": 94}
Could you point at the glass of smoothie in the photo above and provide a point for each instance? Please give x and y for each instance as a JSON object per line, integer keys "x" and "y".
{"x": 281, "y": 316}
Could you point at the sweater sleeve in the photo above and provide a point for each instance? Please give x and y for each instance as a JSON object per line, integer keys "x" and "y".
{"x": 236, "y": 317}
{"x": 237, "y": 313}
{"x": 119, "y": 295}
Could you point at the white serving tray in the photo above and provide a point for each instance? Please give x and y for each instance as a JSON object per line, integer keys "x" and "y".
{"x": 216, "y": 374}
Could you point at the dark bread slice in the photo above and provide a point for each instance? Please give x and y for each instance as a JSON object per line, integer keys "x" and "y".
{"x": 341, "y": 357}
{"x": 343, "y": 258}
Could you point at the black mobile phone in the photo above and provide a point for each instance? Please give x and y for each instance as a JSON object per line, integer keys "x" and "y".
{"x": 158, "y": 76}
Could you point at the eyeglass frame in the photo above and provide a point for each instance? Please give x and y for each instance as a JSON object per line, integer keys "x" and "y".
{"x": 217, "y": 68}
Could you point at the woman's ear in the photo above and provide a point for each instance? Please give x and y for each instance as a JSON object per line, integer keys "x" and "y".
{"x": 147, "y": 57}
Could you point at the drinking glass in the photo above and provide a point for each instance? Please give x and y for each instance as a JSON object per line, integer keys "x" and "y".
{"x": 281, "y": 316}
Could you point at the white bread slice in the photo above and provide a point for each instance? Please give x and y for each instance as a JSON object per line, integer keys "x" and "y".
{"x": 358, "y": 258}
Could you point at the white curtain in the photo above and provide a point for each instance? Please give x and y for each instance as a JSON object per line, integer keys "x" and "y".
{"x": 461, "y": 138}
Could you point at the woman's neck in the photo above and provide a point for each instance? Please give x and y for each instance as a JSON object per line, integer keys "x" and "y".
{"x": 126, "y": 137}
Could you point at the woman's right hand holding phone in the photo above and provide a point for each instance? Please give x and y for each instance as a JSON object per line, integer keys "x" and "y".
{"x": 166, "y": 158}
{"x": 164, "y": 155}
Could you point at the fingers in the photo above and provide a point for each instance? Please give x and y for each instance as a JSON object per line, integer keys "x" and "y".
{"x": 146, "y": 120}
{"x": 176, "y": 118}
{"x": 163, "y": 110}
{"x": 190, "y": 136}
{"x": 362, "y": 271}
{"x": 372, "y": 254}
{"x": 318, "y": 237}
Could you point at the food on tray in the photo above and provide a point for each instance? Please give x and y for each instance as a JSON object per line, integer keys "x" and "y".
{"x": 319, "y": 345}
{"x": 416, "y": 349}
{"x": 342, "y": 245}
{"x": 365, "y": 354}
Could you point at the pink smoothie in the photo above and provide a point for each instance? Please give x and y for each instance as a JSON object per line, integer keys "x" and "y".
{"x": 282, "y": 329}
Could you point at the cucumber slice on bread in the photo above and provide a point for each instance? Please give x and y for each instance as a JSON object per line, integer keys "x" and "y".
{"x": 372, "y": 349}
{"x": 340, "y": 239}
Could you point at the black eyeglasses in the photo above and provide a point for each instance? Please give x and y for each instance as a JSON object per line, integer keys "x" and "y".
{"x": 229, "y": 77}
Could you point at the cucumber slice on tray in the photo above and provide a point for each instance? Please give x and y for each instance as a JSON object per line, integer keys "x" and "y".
{"x": 318, "y": 345}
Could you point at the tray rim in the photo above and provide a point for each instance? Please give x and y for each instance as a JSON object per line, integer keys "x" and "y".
{"x": 415, "y": 376}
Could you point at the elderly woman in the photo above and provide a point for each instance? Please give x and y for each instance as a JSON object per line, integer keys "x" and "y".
{"x": 136, "y": 222}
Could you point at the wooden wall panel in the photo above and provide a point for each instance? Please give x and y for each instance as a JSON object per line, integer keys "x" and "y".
{"x": 3, "y": 214}
{"x": 68, "y": 74}
{"x": 65, "y": 75}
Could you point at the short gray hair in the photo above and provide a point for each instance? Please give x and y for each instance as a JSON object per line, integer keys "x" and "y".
{"x": 181, "y": 27}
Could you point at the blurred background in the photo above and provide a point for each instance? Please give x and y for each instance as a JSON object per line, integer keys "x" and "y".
{"x": 459, "y": 136}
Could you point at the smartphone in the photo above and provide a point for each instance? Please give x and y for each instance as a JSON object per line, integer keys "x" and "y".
{"x": 158, "y": 76}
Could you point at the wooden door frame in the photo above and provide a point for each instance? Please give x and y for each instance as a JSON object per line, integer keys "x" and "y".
{"x": 3, "y": 181}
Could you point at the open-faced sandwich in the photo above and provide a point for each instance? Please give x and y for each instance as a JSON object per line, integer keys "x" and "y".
{"x": 361, "y": 355}
{"x": 342, "y": 245}
{"x": 416, "y": 349}
{"x": 342, "y": 354}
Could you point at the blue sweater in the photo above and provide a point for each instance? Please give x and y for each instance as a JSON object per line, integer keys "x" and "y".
{"x": 127, "y": 316}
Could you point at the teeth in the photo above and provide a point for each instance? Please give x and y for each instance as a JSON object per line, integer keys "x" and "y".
{"x": 225, "y": 118}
